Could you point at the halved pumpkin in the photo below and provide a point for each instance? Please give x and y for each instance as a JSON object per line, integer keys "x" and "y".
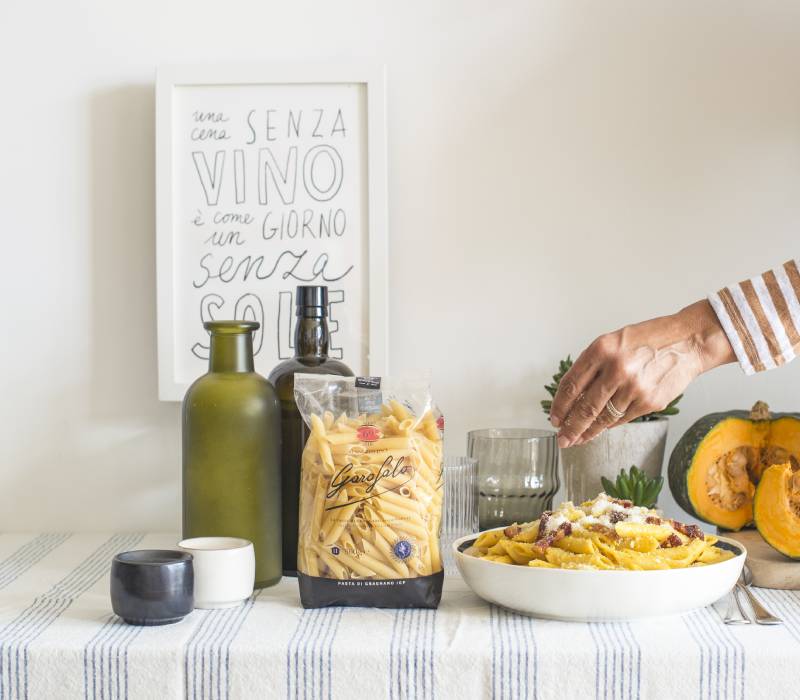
{"x": 776, "y": 508}
{"x": 714, "y": 468}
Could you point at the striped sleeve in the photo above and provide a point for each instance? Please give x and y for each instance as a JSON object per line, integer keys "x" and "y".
{"x": 761, "y": 317}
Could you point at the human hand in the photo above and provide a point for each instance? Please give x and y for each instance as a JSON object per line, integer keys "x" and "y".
{"x": 638, "y": 369}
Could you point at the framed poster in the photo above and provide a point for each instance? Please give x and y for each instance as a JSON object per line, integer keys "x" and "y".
{"x": 269, "y": 178}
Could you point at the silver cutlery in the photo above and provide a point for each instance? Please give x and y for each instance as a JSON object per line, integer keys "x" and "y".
{"x": 730, "y": 617}
{"x": 762, "y": 615}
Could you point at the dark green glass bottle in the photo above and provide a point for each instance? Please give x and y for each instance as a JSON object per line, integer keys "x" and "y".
{"x": 311, "y": 346}
{"x": 231, "y": 450}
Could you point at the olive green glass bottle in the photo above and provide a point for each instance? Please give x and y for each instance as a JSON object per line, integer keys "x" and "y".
{"x": 231, "y": 450}
{"x": 311, "y": 347}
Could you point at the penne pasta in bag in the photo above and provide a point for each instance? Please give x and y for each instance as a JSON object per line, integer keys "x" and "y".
{"x": 370, "y": 493}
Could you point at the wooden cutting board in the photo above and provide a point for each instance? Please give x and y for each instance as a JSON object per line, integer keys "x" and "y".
{"x": 770, "y": 568}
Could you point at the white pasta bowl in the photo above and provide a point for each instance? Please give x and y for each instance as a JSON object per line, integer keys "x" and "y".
{"x": 592, "y": 595}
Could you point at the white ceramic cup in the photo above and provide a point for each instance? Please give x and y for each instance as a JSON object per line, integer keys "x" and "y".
{"x": 224, "y": 570}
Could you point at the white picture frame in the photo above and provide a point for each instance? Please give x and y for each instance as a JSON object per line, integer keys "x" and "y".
{"x": 172, "y": 83}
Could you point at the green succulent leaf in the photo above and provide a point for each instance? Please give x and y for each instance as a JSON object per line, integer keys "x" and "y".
{"x": 634, "y": 485}
{"x": 651, "y": 492}
{"x": 609, "y": 488}
{"x": 625, "y": 485}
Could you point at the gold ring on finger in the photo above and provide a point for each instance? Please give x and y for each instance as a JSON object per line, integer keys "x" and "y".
{"x": 615, "y": 413}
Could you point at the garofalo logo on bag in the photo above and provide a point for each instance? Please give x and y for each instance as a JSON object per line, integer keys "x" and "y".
{"x": 389, "y": 471}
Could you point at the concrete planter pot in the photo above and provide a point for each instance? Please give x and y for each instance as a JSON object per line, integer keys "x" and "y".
{"x": 642, "y": 444}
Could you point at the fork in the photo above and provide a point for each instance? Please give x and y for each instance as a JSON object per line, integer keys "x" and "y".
{"x": 762, "y": 615}
{"x": 730, "y": 618}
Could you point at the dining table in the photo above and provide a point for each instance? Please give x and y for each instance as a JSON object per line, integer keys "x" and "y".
{"x": 60, "y": 639}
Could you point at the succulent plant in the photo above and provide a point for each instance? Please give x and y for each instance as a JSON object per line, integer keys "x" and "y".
{"x": 634, "y": 486}
{"x": 670, "y": 409}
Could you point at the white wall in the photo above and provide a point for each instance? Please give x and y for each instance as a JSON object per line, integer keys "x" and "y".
{"x": 556, "y": 169}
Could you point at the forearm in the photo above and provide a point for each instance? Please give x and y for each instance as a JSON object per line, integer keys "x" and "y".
{"x": 702, "y": 330}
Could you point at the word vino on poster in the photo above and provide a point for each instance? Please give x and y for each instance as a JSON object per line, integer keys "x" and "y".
{"x": 269, "y": 188}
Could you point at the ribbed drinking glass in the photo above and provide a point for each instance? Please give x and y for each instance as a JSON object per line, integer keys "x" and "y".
{"x": 517, "y": 473}
{"x": 460, "y": 515}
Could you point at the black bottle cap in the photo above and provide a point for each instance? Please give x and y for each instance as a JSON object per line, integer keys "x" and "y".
{"x": 313, "y": 299}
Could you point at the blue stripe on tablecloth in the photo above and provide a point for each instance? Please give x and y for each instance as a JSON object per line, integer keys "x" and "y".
{"x": 211, "y": 620}
{"x": 722, "y": 660}
{"x": 492, "y": 610}
{"x": 211, "y": 671}
{"x": 291, "y": 651}
{"x": 309, "y": 656}
{"x": 190, "y": 646}
{"x": 392, "y": 654}
{"x": 16, "y": 636}
{"x": 311, "y": 631}
{"x": 90, "y": 657}
{"x": 498, "y": 673}
{"x": 501, "y": 674}
{"x": 785, "y": 604}
{"x": 411, "y": 649}
{"x": 227, "y": 642}
{"x": 635, "y": 681}
{"x": 633, "y": 652}
{"x": 432, "y": 652}
{"x": 514, "y": 655}
{"x": 104, "y": 672}
{"x": 120, "y": 672}
{"x": 706, "y": 682}
{"x": 734, "y": 666}
{"x": 600, "y": 662}
{"x": 522, "y": 655}
{"x": 316, "y": 656}
{"x": 29, "y": 554}
{"x": 430, "y": 641}
{"x": 310, "y": 652}
{"x": 522, "y": 687}
{"x": 617, "y": 660}
{"x": 405, "y": 662}
{"x": 395, "y": 656}
{"x": 402, "y": 644}
{"x": 615, "y": 678}
{"x": 219, "y": 622}
{"x": 207, "y": 658}
{"x": 328, "y": 653}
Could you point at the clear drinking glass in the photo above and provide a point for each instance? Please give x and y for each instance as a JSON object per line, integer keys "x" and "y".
{"x": 517, "y": 473}
{"x": 460, "y": 516}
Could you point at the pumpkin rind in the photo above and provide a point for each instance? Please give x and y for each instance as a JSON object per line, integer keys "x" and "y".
{"x": 718, "y": 435}
{"x": 777, "y": 521}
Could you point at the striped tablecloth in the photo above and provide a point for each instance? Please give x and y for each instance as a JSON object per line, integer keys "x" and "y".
{"x": 59, "y": 639}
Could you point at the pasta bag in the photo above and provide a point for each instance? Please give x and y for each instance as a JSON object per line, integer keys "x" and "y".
{"x": 370, "y": 493}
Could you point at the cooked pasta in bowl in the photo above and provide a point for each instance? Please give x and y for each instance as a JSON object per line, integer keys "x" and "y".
{"x": 601, "y": 560}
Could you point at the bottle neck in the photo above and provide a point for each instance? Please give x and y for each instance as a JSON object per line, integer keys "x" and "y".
{"x": 231, "y": 352}
{"x": 311, "y": 339}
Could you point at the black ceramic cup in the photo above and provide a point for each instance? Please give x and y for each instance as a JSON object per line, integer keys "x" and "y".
{"x": 152, "y": 586}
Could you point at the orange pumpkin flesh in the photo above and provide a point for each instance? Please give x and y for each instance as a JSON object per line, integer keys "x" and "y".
{"x": 776, "y": 508}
